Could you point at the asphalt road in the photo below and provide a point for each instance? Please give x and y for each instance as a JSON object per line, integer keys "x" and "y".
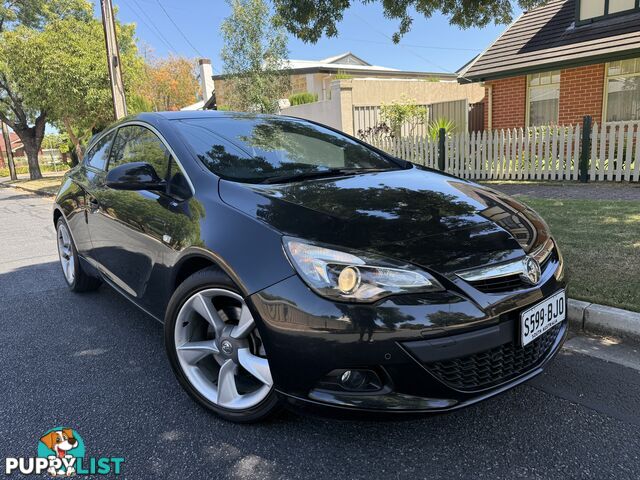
{"x": 95, "y": 363}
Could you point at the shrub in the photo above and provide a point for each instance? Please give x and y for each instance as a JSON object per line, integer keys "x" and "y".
{"x": 61, "y": 167}
{"x": 375, "y": 134}
{"x": 341, "y": 75}
{"x": 404, "y": 113}
{"x": 435, "y": 126}
{"x": 302, "y": 98}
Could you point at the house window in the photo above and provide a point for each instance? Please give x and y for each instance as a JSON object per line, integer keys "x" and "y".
{"x": 623, "y": 91}
{"x": 589, "y": 10}
{"x": 543, "y": 97}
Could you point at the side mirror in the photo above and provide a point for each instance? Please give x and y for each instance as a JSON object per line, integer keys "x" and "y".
{"x": 134, "y": 176}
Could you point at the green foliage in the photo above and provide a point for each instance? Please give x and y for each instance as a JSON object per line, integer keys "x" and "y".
{"x": 254, "y": 57}
{"x": 24, "y": 17}
{"x": 53, "y": 68}
{"x": 404, "y": 113}
{"x": 36, "y": 14}
{"x": 435, "y": 126}
{"x": 74, "y": 83}
{"x": 57, "y": 141}
{"x": 342, "y": 75}
{"x": 309, "y": 20}
{"x": 60, "y": 167}
{"x": 302, "y": 98}
{"x": 137, "y": 103}
{"x": 62, "y": 69}
{"x": 224, "y": 108}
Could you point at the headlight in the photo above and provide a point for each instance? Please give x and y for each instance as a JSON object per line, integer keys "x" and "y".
{"x": 355, "y": 276}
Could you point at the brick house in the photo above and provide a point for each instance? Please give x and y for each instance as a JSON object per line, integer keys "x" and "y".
{"x": 562, "y": 61}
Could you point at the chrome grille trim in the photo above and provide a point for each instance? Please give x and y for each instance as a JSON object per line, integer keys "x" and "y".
{"x": 514, "y": 267}
{"x": 510, "y": 268}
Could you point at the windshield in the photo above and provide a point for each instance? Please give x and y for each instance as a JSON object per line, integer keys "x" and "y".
{"x": 254, "y": 149}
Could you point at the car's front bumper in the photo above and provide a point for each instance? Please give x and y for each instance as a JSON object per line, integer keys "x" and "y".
{"x": 402, "y": 339}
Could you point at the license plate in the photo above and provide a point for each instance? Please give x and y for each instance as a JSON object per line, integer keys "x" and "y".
{"x": 541, "y": 317}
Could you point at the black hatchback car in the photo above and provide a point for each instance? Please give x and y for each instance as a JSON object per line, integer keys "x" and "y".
{"x": 292, "y": 264}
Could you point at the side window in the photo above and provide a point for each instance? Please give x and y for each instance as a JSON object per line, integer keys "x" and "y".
{"x": 138, "y": 144}
{"x": 97, "y": 156}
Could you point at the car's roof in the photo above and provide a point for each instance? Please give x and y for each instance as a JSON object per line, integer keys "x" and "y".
{"x": 178, "y": 115}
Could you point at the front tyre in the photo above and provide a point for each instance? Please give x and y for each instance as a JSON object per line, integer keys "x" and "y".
{"x": 216, "y": 351}
{"x": 77, "y": 279}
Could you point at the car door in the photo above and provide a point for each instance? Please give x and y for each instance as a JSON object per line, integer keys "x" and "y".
{"x": 86, "y": 179}
{"x": 128, "y": 228}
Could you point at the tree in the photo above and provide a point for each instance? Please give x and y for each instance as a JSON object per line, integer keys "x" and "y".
{"x": 254, "y": 57}
{"x": 310, "y": 19}
{"x": 20, "y": 23}
{"x": 67, "y": 68}
{"x": 73, "y": 81}
{"x": 169, "y": 83}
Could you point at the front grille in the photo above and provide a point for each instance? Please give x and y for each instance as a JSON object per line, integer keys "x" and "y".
{"x": 508, "y": 283}
{"x": 499, "y": 364}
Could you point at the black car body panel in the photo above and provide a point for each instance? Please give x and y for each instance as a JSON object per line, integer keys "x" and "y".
{"x": 140, "y": 241}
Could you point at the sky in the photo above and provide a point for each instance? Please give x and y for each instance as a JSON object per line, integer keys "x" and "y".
{"x": 432, "y": 45}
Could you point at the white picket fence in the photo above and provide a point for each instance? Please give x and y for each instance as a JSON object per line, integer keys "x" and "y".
{"x": 537, "y": 153}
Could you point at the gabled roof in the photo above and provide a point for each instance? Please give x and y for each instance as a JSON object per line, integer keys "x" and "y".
{"x": 351, "y": 64}
{"x": 548, "y": 38}
{"x": 343, "y": 61}
{"x": 346, "y": 58}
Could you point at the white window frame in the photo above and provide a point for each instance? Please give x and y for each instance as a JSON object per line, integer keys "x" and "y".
{"x": 579, "y": 21}
{"x": 605, "y": 100}
{"x": 527, "y": 119}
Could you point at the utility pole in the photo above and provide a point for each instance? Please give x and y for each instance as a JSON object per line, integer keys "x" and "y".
{"x": 113, "y": 60}
{"x": 7, "y": 144}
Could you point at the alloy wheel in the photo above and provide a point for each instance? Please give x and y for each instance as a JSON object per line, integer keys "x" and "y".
{"x": 220, "y": 350}
{"x": 66, "y": 253}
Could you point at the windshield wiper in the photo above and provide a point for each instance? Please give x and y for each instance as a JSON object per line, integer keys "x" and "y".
{"x": 330, "y": 172}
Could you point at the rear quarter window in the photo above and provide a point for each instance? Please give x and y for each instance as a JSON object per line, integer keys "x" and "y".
{"x": 98, "y": 155}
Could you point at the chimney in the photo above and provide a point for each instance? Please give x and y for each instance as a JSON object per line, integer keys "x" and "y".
{"x": 206, "y": 80}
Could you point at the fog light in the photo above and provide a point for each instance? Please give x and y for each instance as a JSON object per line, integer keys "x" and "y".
{"x": 353, "y": 379}
{"x": 349, "y": 279}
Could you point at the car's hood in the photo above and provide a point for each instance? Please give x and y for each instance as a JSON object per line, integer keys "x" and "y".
{"x": 414, "y": 215}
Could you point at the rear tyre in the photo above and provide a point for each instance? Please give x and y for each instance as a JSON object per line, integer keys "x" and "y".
{"x": 77, "y": 279}
{"x": 216, "y": 351}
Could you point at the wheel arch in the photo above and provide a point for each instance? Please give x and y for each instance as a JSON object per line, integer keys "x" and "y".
{"x": 57, "y": 213}
{"x": 195, "y": 260}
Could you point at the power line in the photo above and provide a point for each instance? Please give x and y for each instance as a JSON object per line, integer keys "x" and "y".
{"x": 179, "y": 30}
{"x": 152, "y": 27}
{"x": 432, "y": 47}
{"x": 403, "y": 46}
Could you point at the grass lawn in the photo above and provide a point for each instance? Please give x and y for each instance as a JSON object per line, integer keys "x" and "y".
{"x": 48, "y": 185}
{"x": 600, "y": 241}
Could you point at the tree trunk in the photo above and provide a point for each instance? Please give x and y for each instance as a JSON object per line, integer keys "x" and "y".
{"x": 31, "y": 138}
{"x": 31, "y": 148}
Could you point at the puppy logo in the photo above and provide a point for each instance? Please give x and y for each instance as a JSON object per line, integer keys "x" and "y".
{"x": 62, "y": 446}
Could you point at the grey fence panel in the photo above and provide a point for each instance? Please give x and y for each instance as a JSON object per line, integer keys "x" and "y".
{"x": 457, "y": 111}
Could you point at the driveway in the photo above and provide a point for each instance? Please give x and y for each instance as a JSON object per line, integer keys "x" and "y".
{"x": 97, "y": 364}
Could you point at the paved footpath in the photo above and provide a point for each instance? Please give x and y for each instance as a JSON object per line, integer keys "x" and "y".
{"x": 96, "y": 363}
